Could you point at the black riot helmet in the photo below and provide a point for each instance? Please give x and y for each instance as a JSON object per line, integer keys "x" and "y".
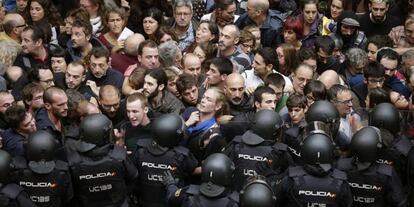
{"x": 216, "y": 175}
{"x": 95, "y": 130}
{"x": 385, "y": 116}
{"x": 5, "y": 166}
{"x": 326, "y": 112}
{"x": 168, "y": 130}
{"x": 318, "y": 149}
{"x": 41, "y": 147}
{"x": 257, "y": 193}
{"x": 365, "y": 144}
{"x": 266, "y": 124}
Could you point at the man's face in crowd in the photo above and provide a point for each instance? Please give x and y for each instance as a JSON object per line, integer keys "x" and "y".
{"x": 390, "y": 67}
{"x": 28, "y": 125}
{"x": 99, "y": 66}
{"x": 29, "y": 46}
{"x": 192, "y": 66}
{"x": 110, "y": 105}
{"x": 46, "y": 78}
{"x": 372, "y": 52}
{"x": 208, "y": 103}
{"x": 278, "y": 91}
{"x": 343, "y": 102}
{"x": 269, "y": 101}
{"x": 190, "y": 96}
{"x": 259, "y": 66}
{"x": 302, "y": 76}
{"x": 297, "y": 114}
{"x": 136, "y": 112}
{"x": 227, "y": 38}
{"x": 74, "y": 76}
{"x": 58, "y": 64}
{"x": 347, "y": 31}
{"x": 228, "y": 13}
{"x": 409, "y": 32}
{"x": 151, "y": 87}
{"x": 378, "y": 11}
{"x": 59, "y": 105}
{"x": 375, "y": 82}
{"x": 6, "y": 100}
{"x": 234, "y": 91}
{"x": 149, "y": 58}
{"x": 183, "y": 16}
{"x": 213, "y": 76}
{"x": 79, "y": 38}
{"x": 37, "y": 100}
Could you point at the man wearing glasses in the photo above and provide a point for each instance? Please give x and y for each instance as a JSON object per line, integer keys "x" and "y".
{"x": 184, "y": 25}
{"x": 374, "y": 77}
{"x": 341, "y": 97}
{"x": 13, "y": 25}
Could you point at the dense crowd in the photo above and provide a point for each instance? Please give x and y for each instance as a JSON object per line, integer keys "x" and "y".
{"x": 206, "y": 103}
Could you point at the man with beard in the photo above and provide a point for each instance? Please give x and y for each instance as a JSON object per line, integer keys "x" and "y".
{"x": 192, "y": 65}
{"x": 22, "y": 124}
{"x": 391, "y": 62}
{"x": 324, "y": 47}
{"x": 6, "y": 100}
{"x": 50, "y": 117}
{"x": 377, "y": 21}
{"x": 74, "y": 78}
{"x": 348, "y": 30}
{"x": 82, "y": 41}
{"x": 239, "y": 101}
{"x": 223, "y": 14}
{"x": 160, "y": 101}
{"x": 32, "y": 97}
{"x": 100, "y": 73}
{"x": 111, "y": 105}
{"x": 228, "y": 40}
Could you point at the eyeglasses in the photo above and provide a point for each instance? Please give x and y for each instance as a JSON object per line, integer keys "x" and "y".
{"x": 378, "y": 80}
{"x": 115, "y": 106}
{"x": 345, "y": 101}
{"x": 183, "y": 14}
{"x": 22, "y": 25}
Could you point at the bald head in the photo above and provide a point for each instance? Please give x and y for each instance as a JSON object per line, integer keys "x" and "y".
{"x": 233, "y": 29}
{"x": 234, "y": 88}
{"x": 329, "y": 78}
{"x": 13, "y": 24}
{"x": 262, "y": 5}
{"x": 132, "y": 43}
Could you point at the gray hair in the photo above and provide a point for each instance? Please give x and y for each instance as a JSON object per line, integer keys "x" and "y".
{"x": 187, "y": 3}
{"x": 356, "y": 57}
{"x": 407, "y": 55}
{"x": 8, "y": 53}
{"x": 168, "y": 52}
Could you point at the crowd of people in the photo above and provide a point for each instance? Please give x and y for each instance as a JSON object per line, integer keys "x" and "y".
{"x": 206, "y": 103}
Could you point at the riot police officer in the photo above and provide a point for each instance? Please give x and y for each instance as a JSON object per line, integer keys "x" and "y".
{"x": 101, "y": 171}
{"x": 396, "y": 150}
{"x": 47, "y": 181}
{"x": 253, "y": 146}
{"x": 372, "y": 184}
{"x": 163, "y": 154}
{"x": 215, "y": 189}
{"x": 316, "y": 183}
{"x": 257, "y": 192}
{"x": 320, "y": 111}
{"x": 11, "y": 195}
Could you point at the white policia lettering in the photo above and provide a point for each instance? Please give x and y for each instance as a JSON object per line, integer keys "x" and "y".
{"x": 253, "y": 158}
{"x": 97, "y": 175}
